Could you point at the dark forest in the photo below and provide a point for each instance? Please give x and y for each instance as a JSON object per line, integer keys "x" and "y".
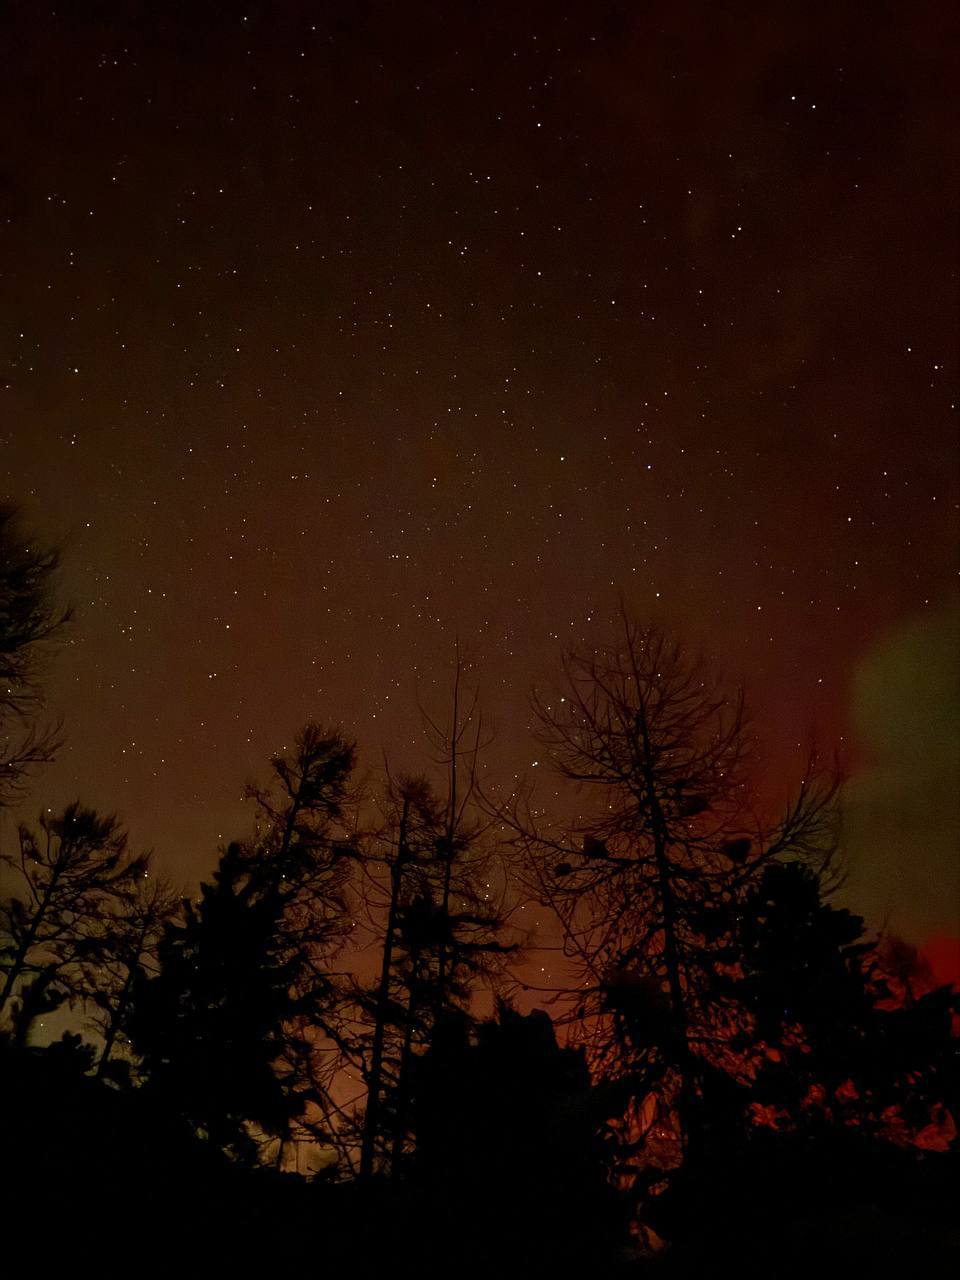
{"x": 322, "y": 1052}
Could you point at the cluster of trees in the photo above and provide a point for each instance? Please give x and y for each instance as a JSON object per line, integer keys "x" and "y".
{"x": 720, "y": 1016}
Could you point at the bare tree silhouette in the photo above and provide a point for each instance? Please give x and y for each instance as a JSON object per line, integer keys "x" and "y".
{"x": 438, "y": 907}
{"x": 645, "y": 883}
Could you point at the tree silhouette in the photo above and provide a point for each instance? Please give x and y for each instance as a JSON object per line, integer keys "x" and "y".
{"x": 243, "y": 978}
{"x": 439, "y": 915}
{"x": 109, "y": 980}
{"x": 836, "y": 1030}
{"x": 511, "y": 1136}
{"x": 407, "y": 837}
{"x": 645, "y": 884}
{"x": 77, "y": 877}
{"x": 835, "y": 1095}
{"x": 30, "y": 620}
{"x": 208, "y": 1026}
{"x": 307, "y": 831}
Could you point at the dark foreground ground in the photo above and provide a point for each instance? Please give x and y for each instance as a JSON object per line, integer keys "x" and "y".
{"x": 100, "y": 1177}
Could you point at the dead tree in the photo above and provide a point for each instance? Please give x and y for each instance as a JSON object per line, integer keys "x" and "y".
{"x": 438, "y": 905}
{"x": 645, "y": 882}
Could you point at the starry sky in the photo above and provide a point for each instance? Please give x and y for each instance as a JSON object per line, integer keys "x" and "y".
{"x": 331, "y": 332}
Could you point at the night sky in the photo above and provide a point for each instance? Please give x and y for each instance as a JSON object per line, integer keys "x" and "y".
{"x": 330, "y": 332}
